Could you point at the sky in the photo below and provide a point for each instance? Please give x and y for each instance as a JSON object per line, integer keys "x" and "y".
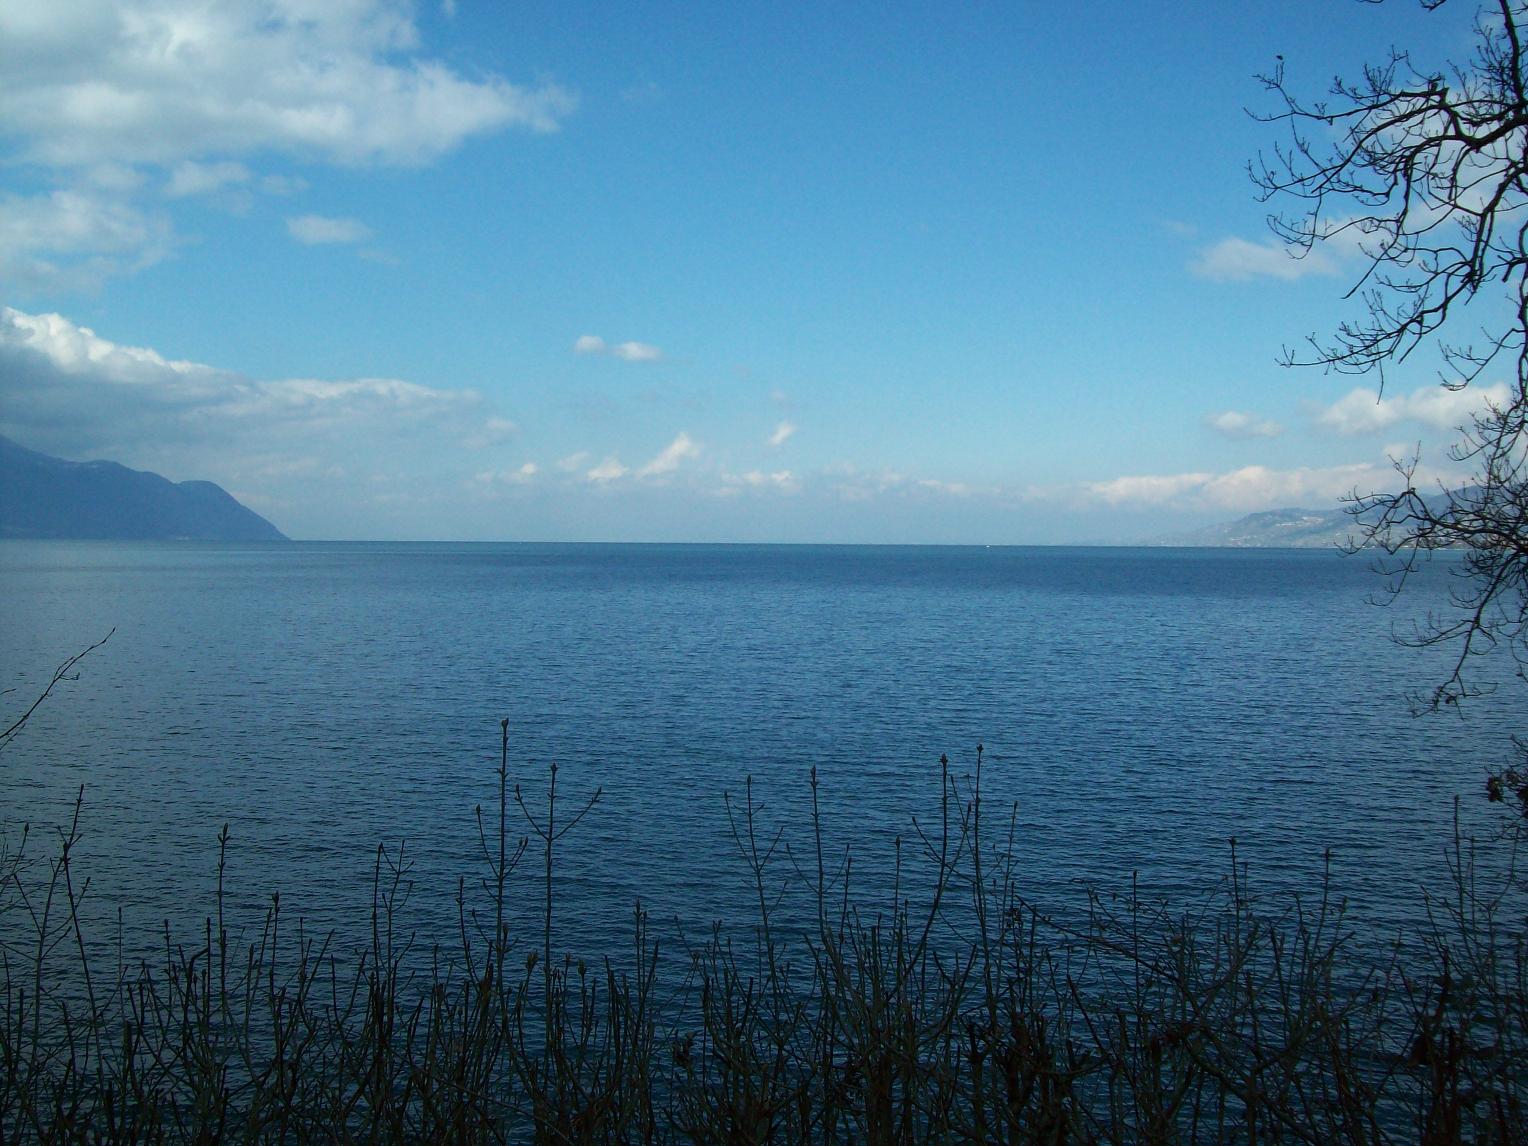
{"x": 871, "y": 273}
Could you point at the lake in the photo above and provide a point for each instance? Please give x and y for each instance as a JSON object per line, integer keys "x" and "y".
{"x": 1138, "y": 707}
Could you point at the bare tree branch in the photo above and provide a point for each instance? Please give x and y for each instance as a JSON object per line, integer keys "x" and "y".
{"x": 1425, "y": 175}
{"x": 62, "y": 673}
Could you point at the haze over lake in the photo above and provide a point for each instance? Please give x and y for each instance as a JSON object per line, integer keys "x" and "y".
{"x": 1138, "y": 707}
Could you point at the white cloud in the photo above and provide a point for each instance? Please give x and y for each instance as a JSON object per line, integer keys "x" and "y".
{"x": 76, "y": 240}
{"x": 1239, "y": 424}
{"x": 70, "y": 390}
{"x": 782, "y": 432}
{"x": 489, "y": 479}
{"x": 636, "y": 352}
{"x": 1360, "y": 411}
{"x": 610, "y": 469}
{"x": 1364, "y": 411}
{"x": 625, "y": 351}
{"x": 952, "y": 488}
{"x": 316, "y": 229}
{"x": 1237, "y": 260}
{"x": 191, "y": 178}
{"x": 1246, "y": 489}
{"x": 607, "y": 471}
{"x": 668, "y": 459}
{"x": 283, "y": 184}
{"x": 117, "y": 177}
{"x": 855, "y": 485}
{"x": 98, "y": 93}
{"x": 185, "y": 79}
{"x": 1151, "y": 489}
{"x": 491, "y": 433}
{"x": 782, "y": 480}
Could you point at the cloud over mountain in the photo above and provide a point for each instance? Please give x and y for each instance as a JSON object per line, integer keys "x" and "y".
{"x": 72, "y": 392}
{"x": 1244, "y": 488}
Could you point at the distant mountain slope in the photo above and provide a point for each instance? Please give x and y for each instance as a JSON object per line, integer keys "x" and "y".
{"x": 1286, "y": 528}
{"x": 47, "y": 497}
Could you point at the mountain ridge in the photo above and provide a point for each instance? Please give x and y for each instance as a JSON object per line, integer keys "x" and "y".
{"x": 43, "y": 497}
{"x": 1289, "y": 528}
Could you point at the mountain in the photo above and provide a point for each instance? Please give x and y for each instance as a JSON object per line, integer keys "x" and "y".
{"x": 1275, "y": 528}
{"x": 47, "y": 497}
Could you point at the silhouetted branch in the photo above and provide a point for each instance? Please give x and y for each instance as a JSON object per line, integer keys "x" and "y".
{"x": 62, "y": 673}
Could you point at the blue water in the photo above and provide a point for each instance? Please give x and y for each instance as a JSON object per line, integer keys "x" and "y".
{"x": 1138, "y": 708}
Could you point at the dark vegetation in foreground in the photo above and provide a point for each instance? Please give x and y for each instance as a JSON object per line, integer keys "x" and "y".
{"x": 956, "y": 1012}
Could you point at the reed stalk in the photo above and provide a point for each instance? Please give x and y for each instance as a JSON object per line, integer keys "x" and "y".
{"x": 946, "y": 1007}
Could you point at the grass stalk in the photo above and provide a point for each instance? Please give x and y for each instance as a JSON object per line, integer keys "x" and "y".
{"x": 956, "y": 1010}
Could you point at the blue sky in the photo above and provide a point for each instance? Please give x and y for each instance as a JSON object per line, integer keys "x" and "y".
{"x": 862, "y": 273}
